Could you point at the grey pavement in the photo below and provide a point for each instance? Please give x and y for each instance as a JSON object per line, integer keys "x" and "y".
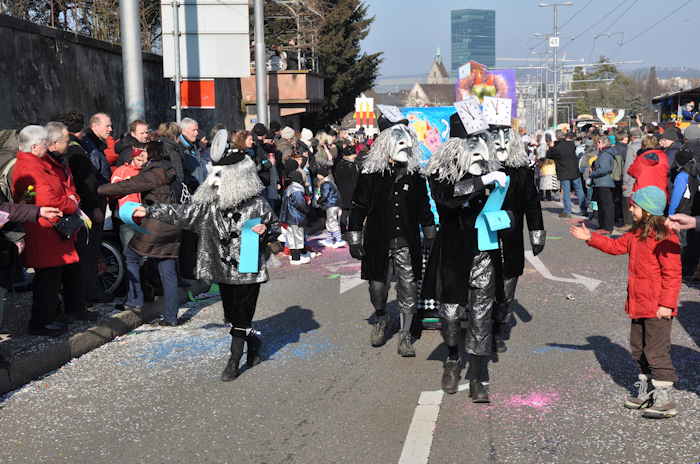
{"x": 323, "y": 395}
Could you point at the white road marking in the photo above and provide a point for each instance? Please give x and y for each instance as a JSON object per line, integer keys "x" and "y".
{"x": 347, "y": 283}
{"x": 588, "y": 282}
{"x": 419, "y": 439}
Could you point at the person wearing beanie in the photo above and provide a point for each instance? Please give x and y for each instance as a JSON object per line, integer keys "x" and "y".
{"x": 671, "y": 143}
{"x": 329, "y": 200}
{"x": 653, "y": 287}
{"x": 294, "y": 211}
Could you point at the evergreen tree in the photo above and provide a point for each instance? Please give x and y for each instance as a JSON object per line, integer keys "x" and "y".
{"x": 346, "y": 70}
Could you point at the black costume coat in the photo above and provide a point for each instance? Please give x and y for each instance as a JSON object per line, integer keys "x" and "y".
{"x": 523, "y": 203}
{"x": 447, "y": 275}
{"x": 372, "y": 201}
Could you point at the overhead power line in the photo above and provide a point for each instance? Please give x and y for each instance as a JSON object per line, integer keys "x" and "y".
{"x": 606, "y": 15}
{"x": 576, "y": 14}
{"x": 647, "y": 29}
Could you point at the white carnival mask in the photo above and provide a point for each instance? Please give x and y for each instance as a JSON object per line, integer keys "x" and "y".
{"x": 402, "y": 143}
{"x": 478, "y": 151}
{"x": 500, "y": 139}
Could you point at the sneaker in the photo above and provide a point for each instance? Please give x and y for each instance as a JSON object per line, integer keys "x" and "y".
{"x": 298, "y": 262}
{"x": 340, "y": 244}
{"x": 327, "y": 243}
{"x": 663, "y": 406}
{"x": 644, "y": 398}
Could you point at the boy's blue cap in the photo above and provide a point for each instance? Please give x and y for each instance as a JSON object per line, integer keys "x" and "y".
{"x": 651, "y": 199}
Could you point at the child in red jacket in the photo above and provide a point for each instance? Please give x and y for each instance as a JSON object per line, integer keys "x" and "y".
{"x": 653, "y": 285}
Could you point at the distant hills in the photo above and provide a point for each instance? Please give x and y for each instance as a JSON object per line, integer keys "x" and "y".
{"x": 666, "y": 72}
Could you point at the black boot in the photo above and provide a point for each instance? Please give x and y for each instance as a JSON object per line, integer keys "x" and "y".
{"x": 231, "y": 371}
{"x": 478, "y": 374}
{"x": 450, "y": 376}
{"x": 253, "y": 343}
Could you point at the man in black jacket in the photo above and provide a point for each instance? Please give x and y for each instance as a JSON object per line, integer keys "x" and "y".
{"x": 136, "y": 138}
{"x": 563, "y": 152}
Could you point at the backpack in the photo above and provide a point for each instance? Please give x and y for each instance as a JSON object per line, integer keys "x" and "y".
{"x": 618, "y": 166}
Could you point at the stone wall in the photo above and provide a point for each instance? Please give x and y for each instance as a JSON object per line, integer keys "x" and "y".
{"x": 45, "y": 71}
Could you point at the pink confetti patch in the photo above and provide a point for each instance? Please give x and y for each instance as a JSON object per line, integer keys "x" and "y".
{"x": 534, "y": 400}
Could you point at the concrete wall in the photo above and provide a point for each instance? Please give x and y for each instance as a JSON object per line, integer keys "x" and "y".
{"x": 44, "y": 71}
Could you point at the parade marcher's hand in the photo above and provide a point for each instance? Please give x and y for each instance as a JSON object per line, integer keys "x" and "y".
{"x": 580, "y": 232}
{"x": 259, "y": 229}
{"x": 681, "y": 222}
{"x": 538, "y": 239}
{"x": 664, "y": 313}
{"x": 139, "y": 212}
{"x": 498, "y": 177}
{"x": 47, "y": 212}
{"x": 429, "y": 233}
{"x": 357, "y": 252}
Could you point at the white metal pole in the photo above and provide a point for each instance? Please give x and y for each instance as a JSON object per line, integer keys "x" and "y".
{"x": 131, "y": 60}
{"x": 176, "y": 45}
{"x": 260, "y": 65}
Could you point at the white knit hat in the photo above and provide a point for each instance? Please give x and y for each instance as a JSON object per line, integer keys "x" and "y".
{"x": 287, "y": 133}
{"x": 306, "y": 135}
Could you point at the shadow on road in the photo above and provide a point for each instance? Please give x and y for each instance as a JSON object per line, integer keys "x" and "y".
{"x": 616, "y": 361}
{"x": 689, "y": 318}
{"x": 285, "y": 328}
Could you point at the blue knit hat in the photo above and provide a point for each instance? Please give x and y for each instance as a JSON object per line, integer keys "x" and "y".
{"x": 651, "y": 199}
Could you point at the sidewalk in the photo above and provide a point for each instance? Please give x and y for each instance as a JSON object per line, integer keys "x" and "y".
{"x": 31, "y": 357}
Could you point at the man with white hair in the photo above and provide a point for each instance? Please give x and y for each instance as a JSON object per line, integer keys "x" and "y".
{"x": 95, "y": 143}
{"x": 193, "y": 164}
{"x": 41, "y": 179}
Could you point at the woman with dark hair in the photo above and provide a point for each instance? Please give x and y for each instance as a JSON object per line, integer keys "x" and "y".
{"x": 157, "y": 184}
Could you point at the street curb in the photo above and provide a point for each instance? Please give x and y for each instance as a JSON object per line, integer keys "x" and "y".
{"x": 33, "y": 364}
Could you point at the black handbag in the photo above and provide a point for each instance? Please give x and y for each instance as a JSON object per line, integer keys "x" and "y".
{"x": 69, "y": 225}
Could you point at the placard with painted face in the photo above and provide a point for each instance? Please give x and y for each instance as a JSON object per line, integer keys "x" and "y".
{"x": 469, "y": 111}
{"x": 497, "y": 111}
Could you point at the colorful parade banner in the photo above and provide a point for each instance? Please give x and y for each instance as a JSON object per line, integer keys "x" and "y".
{"x": 432, "y": 125}
{"x": 475, "y": 79}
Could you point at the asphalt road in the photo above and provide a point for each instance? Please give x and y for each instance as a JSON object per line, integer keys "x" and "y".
{"x": 323, "y": 395}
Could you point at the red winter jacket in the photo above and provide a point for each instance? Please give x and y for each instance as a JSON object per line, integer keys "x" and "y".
{"x": 653, "y": 271}
{"x": 650, "y": 168}
{"x": 53, "y": 184}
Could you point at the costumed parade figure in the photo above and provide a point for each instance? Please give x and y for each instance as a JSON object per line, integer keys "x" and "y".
{"x": 522, "y": 203}
{"x": 230, "y": 251}
{"x": 458, "y": 275}
{"x": 389, "y": 204}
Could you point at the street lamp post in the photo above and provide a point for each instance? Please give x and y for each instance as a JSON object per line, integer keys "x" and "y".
{"x": 554, "y": 44}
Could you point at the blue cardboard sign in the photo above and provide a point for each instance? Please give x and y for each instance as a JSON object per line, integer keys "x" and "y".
{"x": 126, "y": 214}
{"x": 249, "y": 259}
{"x": 492, "y": 219}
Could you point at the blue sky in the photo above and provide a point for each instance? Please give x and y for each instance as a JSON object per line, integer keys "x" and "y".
{"x": 409, "y": 31}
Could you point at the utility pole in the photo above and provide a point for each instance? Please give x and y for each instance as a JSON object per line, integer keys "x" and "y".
{"x": 554, "y": 44}
{"x": 131, "y": 60}
{"x": 260, "y": 65}
{"x": 176, "y": 45}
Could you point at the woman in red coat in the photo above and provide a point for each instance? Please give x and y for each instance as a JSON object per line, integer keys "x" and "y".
{"x": 40, "y": 178}
{"x": 653, "y": 286}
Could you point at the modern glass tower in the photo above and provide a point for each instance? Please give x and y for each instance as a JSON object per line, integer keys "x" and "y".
{"x": 473, "y": 38}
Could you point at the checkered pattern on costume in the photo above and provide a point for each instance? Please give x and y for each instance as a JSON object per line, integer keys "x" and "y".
{"x": 425, "y": 304}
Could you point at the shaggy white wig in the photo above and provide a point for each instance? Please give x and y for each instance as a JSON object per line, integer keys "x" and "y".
{"x": 517, "y": 156}
{"x": 230, "y": 185}
{"x": 451, "y": 162}
{"x": 387, "y": 144}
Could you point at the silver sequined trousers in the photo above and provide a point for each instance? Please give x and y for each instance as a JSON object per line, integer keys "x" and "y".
{"x": 477, "y": 317}
{"x": 399, "y": 267}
